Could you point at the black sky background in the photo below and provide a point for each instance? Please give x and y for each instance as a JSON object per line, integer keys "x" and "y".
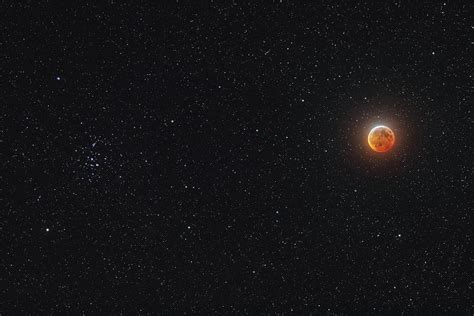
{"x": 206, "y": 158}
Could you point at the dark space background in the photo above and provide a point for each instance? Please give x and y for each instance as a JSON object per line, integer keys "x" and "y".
{"x": 206, "y": 158}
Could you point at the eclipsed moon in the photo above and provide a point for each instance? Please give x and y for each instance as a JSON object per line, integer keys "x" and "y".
{"x": 381, "y": 139}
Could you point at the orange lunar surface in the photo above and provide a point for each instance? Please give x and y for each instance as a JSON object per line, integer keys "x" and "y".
{"x": 381, "y": 139}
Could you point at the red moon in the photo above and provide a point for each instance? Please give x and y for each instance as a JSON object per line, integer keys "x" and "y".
{"x": 381, "y": 139}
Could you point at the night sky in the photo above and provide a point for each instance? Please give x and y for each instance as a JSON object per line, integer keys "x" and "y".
{"x": 213, "y": 158}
